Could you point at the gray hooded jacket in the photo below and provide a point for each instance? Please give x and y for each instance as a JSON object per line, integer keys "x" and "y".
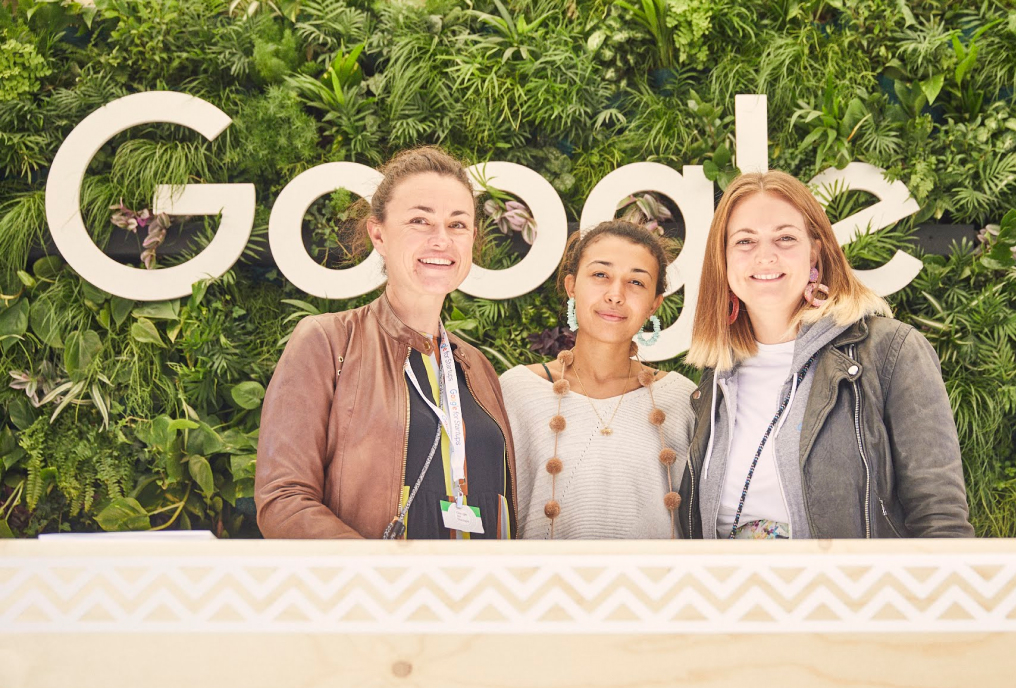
{"x": 866, "y": 448}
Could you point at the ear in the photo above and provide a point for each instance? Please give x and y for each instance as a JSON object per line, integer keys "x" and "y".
{"x": 816, "y": 251}
{"x": 656, "y": 304}
{"x": 569, "y": 285}
{"x": 374, "y": 231}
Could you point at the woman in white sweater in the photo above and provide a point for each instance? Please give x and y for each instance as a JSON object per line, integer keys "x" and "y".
{"x": 601, "y": 439}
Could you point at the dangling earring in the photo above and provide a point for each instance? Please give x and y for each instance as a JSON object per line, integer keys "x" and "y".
{"x": 735, "y": 308}
{"x": 573, "y": 323}
{"x": 809, "y": 291}
{"x": 640, "y": 337}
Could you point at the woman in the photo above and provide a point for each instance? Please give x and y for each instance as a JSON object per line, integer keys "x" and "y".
{"x": 598, "y": 434}
{"x": 818, "y": 415}
{"x": 377, "y": 422}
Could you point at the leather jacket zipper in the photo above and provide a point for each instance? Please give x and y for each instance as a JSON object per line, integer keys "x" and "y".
{"x": 507, "y": 463}
{"x": 405, "y": 440}
{"x": 851, "y": 351}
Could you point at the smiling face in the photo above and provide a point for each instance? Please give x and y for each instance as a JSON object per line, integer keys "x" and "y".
{"x": 426, "y": 237}
{"x": 614, "y": 288}
{"x": 769, "y": 257}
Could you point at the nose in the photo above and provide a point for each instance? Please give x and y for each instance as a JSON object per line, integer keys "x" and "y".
{"x": 765, "y": 254}
{"x": 440, "y": 238}
{"x": 615, "y": 292}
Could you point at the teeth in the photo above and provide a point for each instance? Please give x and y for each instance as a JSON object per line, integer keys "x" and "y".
{"x": 770, "y": 276}
{"x": 436, "y": 261}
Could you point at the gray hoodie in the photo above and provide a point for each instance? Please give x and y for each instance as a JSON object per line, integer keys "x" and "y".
{"x": 786, "y": 436}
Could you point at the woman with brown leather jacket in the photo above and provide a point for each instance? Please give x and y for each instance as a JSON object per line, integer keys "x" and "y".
{"x": 817, "y": 415}
{"x": 378, "y": 422}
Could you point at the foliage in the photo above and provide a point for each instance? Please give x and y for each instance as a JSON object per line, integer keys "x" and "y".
{"x": 123, "y": 415}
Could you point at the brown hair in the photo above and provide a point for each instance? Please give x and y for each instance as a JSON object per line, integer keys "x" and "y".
{"x": 636, "y": 234}
{"x": 717, "y": 344}
{"x": 403, "y": 165}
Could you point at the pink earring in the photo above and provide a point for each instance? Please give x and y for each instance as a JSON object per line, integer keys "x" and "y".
{"x": 735, "y": 308}
{"x": 809, "y": 291}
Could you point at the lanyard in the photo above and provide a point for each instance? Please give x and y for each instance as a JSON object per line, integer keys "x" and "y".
{"x": 449, "y": 413}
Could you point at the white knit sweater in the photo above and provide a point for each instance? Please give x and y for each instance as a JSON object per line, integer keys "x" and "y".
{"x": 612, "y": 486}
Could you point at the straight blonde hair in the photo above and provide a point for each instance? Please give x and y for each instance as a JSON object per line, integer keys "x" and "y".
{"x": 717, "y": 344}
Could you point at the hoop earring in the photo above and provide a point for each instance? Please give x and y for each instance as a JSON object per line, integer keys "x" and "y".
{"x": 640, "y": 337}
{"x": 813, "y": 285}
{"x": 573, "y": 323}
{"x": 735, "y": 308}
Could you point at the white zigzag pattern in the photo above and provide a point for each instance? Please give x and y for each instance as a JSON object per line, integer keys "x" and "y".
{"x": 456, "y": 603}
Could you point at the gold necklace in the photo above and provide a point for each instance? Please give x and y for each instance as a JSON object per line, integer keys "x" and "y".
{"x": 605, "y": 428}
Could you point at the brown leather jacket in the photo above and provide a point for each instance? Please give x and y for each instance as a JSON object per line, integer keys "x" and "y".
{"x": 334, "y": 424}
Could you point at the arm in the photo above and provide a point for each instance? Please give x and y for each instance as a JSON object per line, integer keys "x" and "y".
{"x": 290, "y": 473}
{"x": 925, "y": 448}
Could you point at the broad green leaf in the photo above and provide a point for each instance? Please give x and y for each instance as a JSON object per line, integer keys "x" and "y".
{"x": 931, "y": 87}
{"x": 26, "y": 279}
{"x": 201, "y": 471}
{"x": 48, "y": 268}
{"x": 81, "y": 349}
{"x": 5, "y": 530}
{"x": 198, "y": 290}
{"x": 203, "y": 440}
{"x": 158, "y": 310}
{"x": 242, "y": 465}
{"x": 21, "y": 412}
{"x": 121, "y": 308}
{"x": 45, "y": 323}
{"x": 13, "y": 322}
{"x": 248, "y": 395}
{"x": 144, "y": 331}
{"x": 93, "y": 293}
{"x": 123, "y": 513}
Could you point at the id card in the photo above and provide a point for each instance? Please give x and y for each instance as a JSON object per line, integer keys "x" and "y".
{"x": 465, "y": 518}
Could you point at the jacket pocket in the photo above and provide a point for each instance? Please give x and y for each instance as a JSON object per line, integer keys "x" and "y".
{"x": 889, "y": 519}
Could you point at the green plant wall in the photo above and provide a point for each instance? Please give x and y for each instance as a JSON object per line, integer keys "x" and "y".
{"x": 122, "y": 415}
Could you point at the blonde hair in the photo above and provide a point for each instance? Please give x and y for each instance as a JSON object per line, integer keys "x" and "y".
{"x": 717, "y": 344}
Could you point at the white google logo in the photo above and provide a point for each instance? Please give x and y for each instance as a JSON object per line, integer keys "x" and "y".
{"x": 690, "y": 190}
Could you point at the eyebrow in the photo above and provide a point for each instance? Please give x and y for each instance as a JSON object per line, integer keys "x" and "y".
{"x": 431, "y": 210}
{"x": 610, "y": 265}
{"x": 753, "y": 231}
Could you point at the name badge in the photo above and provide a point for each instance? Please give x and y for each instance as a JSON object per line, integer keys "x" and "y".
{"x": 465, "y": 518}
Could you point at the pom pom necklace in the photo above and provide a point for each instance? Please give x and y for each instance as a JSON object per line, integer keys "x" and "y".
{"x": 554, "y": 466}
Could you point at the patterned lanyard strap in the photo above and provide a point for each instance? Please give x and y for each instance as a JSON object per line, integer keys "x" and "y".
{"x": 754, "y": 462}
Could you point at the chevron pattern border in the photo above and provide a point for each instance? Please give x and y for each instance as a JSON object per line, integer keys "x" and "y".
{"x": 533, "y": 594}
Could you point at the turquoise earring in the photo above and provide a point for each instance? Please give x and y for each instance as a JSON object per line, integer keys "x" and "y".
{"x": 641, "y": 336}
{"x": 573, "y": 323}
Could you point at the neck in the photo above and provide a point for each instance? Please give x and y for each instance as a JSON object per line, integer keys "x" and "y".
{"x": 422, "y": 312}
{"x": 771, "y": 328}
{"x": 601, "y": 361}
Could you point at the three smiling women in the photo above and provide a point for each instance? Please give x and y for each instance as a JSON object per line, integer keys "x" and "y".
{"x": 817, "y": 415}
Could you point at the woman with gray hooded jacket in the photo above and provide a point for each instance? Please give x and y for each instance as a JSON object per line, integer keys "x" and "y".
{"x": 817, "y": 414}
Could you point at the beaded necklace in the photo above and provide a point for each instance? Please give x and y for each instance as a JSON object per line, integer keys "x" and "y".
{"x": 646, "y": 378}
{"x": 758, "y": 452}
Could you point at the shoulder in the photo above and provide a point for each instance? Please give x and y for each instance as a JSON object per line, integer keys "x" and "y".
{"x": 675, "y": 388}
{"x": 523, "y": 377}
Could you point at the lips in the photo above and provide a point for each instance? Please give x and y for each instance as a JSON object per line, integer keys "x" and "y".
{"x": 437, "y": 262}
{"x": 610, "y": 316}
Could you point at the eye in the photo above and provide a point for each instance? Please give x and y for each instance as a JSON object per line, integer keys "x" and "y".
{"x": 599, "y": 273}
{"x": 745, "y": 242}
{"x": 458, "y": 225}
{"x": 638, "y": 283}
{"x": 419, "y": 221}
{"x": 787, "y": 238}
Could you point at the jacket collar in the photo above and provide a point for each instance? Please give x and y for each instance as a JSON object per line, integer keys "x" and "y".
{"x": 393, "y": 326}
{"x": 857, "y": 332}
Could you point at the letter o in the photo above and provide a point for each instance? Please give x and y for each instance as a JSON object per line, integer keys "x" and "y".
{"x": 551, "y": 233}
{"x": 285, "y": 236}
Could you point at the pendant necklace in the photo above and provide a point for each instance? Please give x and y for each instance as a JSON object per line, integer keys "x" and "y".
{"x": 605, "y": 428}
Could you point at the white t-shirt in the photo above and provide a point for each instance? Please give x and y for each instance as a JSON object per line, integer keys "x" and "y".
{"x": 759, "y": 384}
